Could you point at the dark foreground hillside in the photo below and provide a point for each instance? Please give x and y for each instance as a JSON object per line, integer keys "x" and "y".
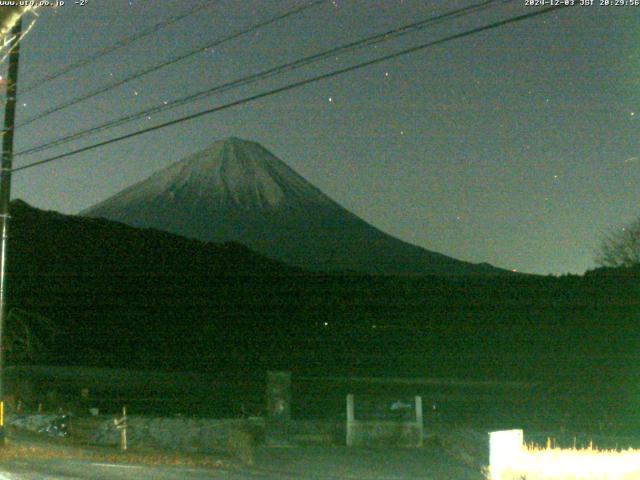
{"x": 125, "y": 297}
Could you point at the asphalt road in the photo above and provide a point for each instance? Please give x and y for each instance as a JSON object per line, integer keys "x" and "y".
{"x": 65, "y": 469}
{"x": 83, "y": 470}
{"x": 304, "y": 463}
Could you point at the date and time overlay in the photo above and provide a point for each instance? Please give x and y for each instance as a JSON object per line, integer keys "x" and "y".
{"x": 42, "y": 3}
{"x": 582, "y": 3}
{"x": 528, "y": 3}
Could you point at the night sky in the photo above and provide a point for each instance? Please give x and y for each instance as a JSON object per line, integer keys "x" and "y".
{"x": 518, "y": 146}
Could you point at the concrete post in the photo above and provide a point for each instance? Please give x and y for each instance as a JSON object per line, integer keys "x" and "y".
{"x": 505, "y": 449}
{"x": 5, "y": 187}
{"x": 419, "y": 420}
{"x": 278, "y": 420}
{"x": 350, "y": 419}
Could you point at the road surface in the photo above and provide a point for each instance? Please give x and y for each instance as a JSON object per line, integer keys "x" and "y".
{"x": 273, "y": 464}
{"x": 75, "y": 469}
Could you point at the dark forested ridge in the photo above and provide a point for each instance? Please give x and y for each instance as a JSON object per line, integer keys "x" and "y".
{"x": 122, "y": 296}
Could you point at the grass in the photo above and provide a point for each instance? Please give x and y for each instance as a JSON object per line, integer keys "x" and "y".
{"x": 465, "y": 445}
{"x": 537, "y": 463}
{"x": 29, "y": 448}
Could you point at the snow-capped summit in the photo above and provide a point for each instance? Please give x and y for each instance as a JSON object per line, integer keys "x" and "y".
{"x": 232, "y": 173}
{"x": 236, "y": 190}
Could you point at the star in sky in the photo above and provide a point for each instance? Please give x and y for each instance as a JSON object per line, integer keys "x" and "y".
{"x": 439, "y": 93}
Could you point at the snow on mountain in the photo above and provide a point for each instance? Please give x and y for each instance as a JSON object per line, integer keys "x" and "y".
{"x": 236, "y": 190}
{"x": 230, "y": 174}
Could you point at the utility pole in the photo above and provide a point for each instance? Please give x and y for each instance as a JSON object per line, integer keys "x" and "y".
{"x": 5, "y": 191}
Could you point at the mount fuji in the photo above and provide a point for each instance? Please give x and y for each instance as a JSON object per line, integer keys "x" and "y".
{"x": 236, "y": 190}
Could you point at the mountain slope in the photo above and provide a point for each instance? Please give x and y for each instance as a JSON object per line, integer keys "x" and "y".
{"x": 238, "y": 191}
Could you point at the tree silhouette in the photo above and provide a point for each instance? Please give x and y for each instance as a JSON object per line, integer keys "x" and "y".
{"x": 28, "y": 336}
{"x": 620, "y": 247}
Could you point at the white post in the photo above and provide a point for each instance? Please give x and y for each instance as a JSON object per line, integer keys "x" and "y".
{"x": 419, "y": 422}
{"x": 505, "y": 450}
{"x": 121, "y": 424}
{"x": 350, "y": 419}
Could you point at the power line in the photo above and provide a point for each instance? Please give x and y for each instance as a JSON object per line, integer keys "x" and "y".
{"x": 298, "y": 84}
{"x": 167, "y": 63}
{"x": 388, "y": 35}
{"x": 351, "y": 46}
{"x": 117, "y": 46}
